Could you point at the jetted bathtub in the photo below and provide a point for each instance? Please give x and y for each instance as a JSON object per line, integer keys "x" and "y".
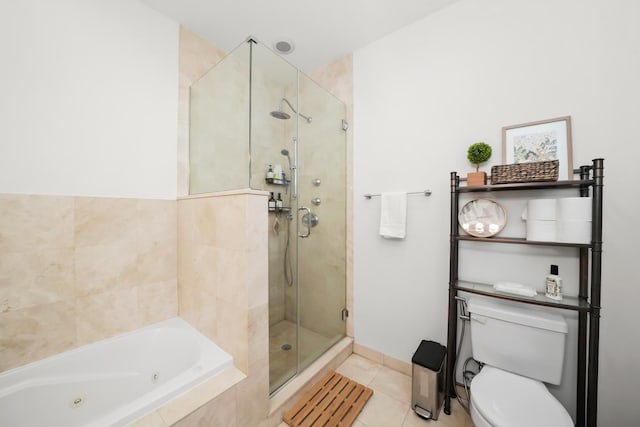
{"x": 111, "y": 382}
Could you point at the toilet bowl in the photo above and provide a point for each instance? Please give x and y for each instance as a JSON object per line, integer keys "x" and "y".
{"x": 503, "y": 399}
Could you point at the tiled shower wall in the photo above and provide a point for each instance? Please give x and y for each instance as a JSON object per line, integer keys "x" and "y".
{"x": 75, "y": 270}
{"x": 333, "y": 236}
{"x": 196, "y": 57}
{"x": 222, "y": 265}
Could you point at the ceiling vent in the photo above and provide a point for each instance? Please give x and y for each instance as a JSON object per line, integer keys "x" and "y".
{"x": 283, "y": 46}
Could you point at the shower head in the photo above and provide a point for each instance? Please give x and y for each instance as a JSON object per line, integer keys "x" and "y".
{"x": 279, "y": 114}
{"x": 285, "y": 153}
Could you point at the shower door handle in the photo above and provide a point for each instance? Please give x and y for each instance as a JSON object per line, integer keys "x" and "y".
{"x": 304, "y": 208}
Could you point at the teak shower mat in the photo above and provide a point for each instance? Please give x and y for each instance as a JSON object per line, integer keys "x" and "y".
{"x": 334, "y": 401}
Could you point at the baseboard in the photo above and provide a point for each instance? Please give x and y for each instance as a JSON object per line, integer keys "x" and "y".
{"x": 383, "y": 359}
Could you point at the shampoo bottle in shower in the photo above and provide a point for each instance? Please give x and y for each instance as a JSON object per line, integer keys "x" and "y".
{"x": 272, "y": 203}
{"x": 270, "y": 174}
{"x": 279, "y": 202}
{"x": 554, "y": 284}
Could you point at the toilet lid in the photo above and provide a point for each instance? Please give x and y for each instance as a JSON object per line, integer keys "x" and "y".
{"x": 506, "y": 400}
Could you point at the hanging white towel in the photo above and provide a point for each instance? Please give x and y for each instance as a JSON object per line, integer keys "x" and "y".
{"x": 393, "y": 215}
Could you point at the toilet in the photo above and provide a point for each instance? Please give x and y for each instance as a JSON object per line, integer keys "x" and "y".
{"x": 521, "y": 347}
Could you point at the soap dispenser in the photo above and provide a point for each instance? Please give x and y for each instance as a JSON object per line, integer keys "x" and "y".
{"x": 270, "y": 174}
{"x": 554, "y": 284}
{"x": 272, "y": 203}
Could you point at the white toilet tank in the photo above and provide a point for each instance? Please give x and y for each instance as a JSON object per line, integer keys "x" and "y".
{"x": 518, "y": 338}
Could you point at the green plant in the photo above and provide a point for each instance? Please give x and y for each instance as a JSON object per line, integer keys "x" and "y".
{"x": 478, "y": 153}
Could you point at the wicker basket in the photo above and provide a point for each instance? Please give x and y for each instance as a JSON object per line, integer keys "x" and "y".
{"x": 525, "y": 172}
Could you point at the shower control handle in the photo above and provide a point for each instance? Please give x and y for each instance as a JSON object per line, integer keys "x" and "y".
{"x": 304, "y": 208}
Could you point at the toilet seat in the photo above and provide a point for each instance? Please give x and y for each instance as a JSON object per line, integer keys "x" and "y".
{"x": 504, "y": 399}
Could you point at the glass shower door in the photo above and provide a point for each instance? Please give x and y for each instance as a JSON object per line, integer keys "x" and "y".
{"x": 296, "y": 128}
{"x": 321, "y": 222}
{"x": 274, "y": 83}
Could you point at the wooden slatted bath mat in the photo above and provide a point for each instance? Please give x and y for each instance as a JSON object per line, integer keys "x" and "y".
{"x": 335, "y": 401}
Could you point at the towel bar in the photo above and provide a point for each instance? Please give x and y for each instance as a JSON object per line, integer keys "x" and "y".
{"x": 426, "y": 193}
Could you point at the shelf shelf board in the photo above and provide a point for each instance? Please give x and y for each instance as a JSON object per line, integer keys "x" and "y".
{"x": 567, "y": 302}
{"x": 282, "y": 209}
{"x": 520, "y": 241}
{"x": 527, "y": 186}
{"x": 283, "y": 183}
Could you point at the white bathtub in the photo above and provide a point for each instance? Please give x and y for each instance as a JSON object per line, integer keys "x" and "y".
{"x": 112, "y": 382}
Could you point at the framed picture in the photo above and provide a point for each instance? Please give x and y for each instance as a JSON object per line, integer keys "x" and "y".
{"x": 540, "y": 141}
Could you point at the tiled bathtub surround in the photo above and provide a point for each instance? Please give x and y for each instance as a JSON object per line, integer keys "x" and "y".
{"x": 75, "y": 270}
{"x": 222, "y": 269}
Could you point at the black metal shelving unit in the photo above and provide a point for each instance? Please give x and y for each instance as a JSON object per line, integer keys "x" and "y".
{"x": 586, "y": 303}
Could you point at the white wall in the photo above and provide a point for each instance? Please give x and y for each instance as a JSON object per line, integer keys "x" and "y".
{"x": 423, "y": 94}
{"x": 88, "y": 99}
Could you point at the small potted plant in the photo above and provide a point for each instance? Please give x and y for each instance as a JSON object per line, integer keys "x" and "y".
{"x": 478, "y": 153}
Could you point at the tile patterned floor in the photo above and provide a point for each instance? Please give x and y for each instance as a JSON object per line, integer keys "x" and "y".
{"x": 391, "y": 401}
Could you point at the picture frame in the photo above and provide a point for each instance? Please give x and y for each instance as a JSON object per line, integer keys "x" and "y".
{"x": 540, "y": 141}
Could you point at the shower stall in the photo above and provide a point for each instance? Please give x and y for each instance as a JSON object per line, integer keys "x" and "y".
{"x": 257, "y": 122}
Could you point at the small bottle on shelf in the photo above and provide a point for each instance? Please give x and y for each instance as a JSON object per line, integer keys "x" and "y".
{"x": 270, "y": 174}
{"x": 272, "y": 203}
{"x": 279, "y": 202}
{"x": 277, "y": 174}
{"x": 554, "y": 284}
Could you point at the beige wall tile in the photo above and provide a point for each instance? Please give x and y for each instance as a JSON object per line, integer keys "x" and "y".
{"x": 200, "y": 395}
{"x": 35, "y": 222}
{"x": 196, "y": 57}
{"x": 106, "y": 314}
{"x": 32, "y": 333}
{"x": 257, "y": 278}
{"x": 258, "y": 348}
{"x": 231, "y": 222}
{"x": 221, "y": 411}
{"x": 233, "y": 333}
{"x": 35, "y": 277}
{"x": 257, "y": 222}
{"x": 106, "y": 267}
{"x": 231, "y": 275}
{"x": 156, "y": 222}
{"x": 158, "y": 301}
{"x": 156, "y": 260}
{"x": 219, "y": 278}
{"x": 104, "y": 221}
{"x": 253, "y": 395}
{"x": 150, "y": 420}
{"x": 90, "y": 254}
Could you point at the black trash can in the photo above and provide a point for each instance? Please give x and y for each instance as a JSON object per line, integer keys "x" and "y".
{"x": 427, "y": 388}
